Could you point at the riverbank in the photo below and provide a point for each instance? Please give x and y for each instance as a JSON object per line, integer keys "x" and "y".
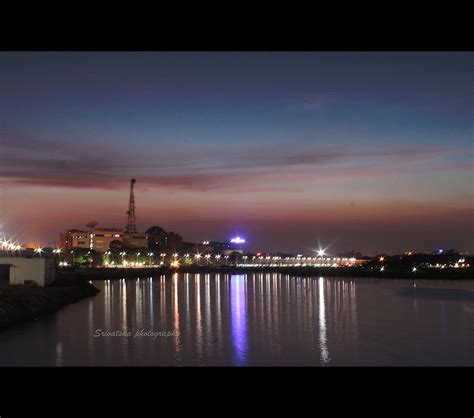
{"x": 19, "y": 303}
{"x": 360, "y": 272}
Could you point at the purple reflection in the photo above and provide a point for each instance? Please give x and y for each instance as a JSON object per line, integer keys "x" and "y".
{"x": 238, "y": 318}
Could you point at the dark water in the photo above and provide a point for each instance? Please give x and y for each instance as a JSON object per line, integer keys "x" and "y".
{"x": 253, "y": 320}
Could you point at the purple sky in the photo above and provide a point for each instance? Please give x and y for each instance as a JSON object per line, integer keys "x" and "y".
{"x": 364, "y": 151}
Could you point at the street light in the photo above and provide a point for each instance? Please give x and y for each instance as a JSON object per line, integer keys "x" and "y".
{"x": 149, "y": 258}
{"x": 197, "y": 257}
{"x": 39, "y": 250}
{"x": 208, "y": 256}
{"x": 163, "y": 255}
{"x": 58, "y": 252}
{"x": 72, "y": 252}
{"x": 107, "y": 253}
{"x": 226, "y": 258}
{"x": 137, "y": 256}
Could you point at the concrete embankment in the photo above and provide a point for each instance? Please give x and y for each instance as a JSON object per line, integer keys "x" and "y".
{"x": 20, "y": 303}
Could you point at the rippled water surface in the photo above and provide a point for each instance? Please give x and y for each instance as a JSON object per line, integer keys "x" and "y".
{"x": 254, "y": 320}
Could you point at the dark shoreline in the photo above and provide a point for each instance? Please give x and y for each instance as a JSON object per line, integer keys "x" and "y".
{"x": 21, "y": 303}
{"x": 119, "y": 273}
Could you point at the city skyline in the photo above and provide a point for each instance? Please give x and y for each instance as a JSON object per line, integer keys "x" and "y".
{"x": 364, "y": 151}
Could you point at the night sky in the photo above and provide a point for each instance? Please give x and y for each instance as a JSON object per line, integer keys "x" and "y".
{"x": 364, "y": 151}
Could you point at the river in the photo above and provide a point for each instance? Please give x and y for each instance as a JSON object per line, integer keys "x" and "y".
{"x": 254, "y": 320}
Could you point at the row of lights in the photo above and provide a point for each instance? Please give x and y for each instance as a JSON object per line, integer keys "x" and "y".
{"x": 414, "y": 269}
{"x": 10, "y": 246}
{"x": 292, "y": 265}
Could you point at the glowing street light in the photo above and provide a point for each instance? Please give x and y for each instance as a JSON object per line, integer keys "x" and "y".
{"x": 321, "y": 253}
{"x": 149, "y": 258}
{"x": 175, "y": 264}
{"x": 58, "y": 252}
{"x": 414, "y": 269}
{"x": 39, "y": 250}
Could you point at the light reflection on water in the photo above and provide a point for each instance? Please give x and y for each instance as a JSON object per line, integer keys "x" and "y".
{"x": 238, "y": 316}
{"x": 255, "y": 319}
{"x": 322, "y": 324}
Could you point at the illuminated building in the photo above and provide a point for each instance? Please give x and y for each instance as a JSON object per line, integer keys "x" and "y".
{"x": 73, "y": 238}
{"x": 101, "y": 238}
{"x": 226, "y": 248}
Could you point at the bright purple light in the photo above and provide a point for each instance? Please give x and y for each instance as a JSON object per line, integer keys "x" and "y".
{"x": 237, "y": 240}
{"x": 238, "y": 319}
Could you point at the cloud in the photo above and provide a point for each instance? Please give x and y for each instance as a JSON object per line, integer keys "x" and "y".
{"x": 42, "y": 162}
